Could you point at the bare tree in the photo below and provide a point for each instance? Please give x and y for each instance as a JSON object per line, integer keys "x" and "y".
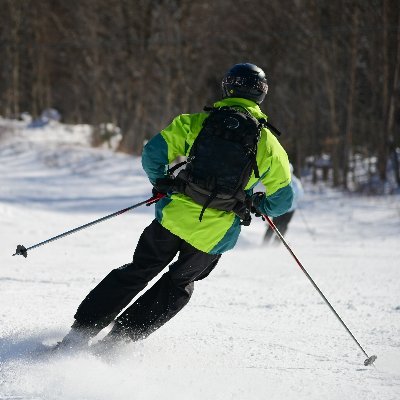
{"x": 333, "y": 67}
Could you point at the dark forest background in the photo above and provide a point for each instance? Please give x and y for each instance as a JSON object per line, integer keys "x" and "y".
{"x": 333, "y": 68}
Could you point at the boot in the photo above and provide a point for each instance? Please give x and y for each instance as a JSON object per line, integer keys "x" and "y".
{"x": 77, "y": 338}
{"x": 114, "y": 339}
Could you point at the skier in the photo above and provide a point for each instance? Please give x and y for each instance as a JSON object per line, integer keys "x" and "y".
{"x": 282, "y": 221}
{"x": 192, "y": 220}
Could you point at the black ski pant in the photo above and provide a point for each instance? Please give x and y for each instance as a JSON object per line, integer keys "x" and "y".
{"x": 282, "y": 223}
{"x": 156, "y": 248}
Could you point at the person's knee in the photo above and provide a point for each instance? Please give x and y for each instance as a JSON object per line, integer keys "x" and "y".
{"x": 179, "y": 297}
{"x": 189, "y": 288}
{"x": 181, "y": 284}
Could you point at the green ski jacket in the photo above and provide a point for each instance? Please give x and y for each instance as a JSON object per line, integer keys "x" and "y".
{"x": 219, "y": 230}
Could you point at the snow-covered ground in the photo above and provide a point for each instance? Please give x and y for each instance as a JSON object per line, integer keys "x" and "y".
{"x": 254, "y": 329}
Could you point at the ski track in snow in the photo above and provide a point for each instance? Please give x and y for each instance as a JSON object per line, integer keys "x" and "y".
{"x": 254, "y": 329}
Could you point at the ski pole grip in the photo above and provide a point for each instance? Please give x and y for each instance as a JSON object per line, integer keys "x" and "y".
{"x": 155, "y": 198}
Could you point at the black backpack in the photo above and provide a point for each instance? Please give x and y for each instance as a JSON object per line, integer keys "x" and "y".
{"x": 221, "y": 161}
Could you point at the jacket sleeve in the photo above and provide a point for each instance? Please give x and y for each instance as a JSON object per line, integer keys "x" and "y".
{"x": 277, "y": 180}
{"x": 165, "y": 147}
{"x": 298, "y": 192}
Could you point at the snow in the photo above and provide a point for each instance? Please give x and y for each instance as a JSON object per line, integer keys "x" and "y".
{"x": 254, "y": 329}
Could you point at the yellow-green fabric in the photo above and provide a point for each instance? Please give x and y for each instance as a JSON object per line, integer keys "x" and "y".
{"x": 218, "y": 231}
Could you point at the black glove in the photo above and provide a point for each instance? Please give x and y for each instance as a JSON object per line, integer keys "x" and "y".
{"x": 256, "y": 201}
{"x": 164, "y": 185}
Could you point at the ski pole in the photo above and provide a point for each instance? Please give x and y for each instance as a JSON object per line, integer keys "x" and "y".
{"x": 369, "y": 359}
{"x": 22, "y": 250}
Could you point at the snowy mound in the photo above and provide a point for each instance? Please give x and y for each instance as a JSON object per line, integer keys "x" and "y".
{"x": 55, "y": 167}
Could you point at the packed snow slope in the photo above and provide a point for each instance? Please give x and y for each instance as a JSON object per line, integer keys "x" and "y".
{"x": 254, "y": 329}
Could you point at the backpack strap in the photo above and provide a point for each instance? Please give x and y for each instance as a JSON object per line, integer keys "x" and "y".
{"x": 175, "y": 167}
{"x": 266, "y": 124}
{"x": 255, "y": 166}
{"x": 211, "y": 197}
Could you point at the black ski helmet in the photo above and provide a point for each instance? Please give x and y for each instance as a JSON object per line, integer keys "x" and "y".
{"x": 247, "y": 81}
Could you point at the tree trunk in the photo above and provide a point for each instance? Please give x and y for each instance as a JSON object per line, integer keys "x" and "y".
{"x": 348, "y": 138}
{"x": 383, "y": 143}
